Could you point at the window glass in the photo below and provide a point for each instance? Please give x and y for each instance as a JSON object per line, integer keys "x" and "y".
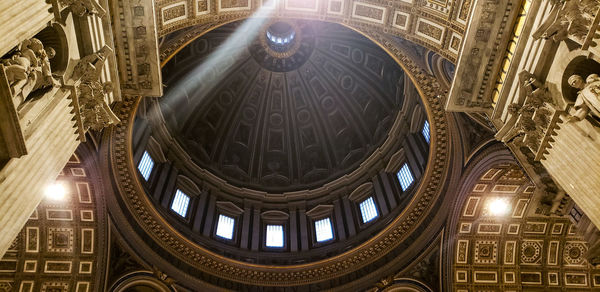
{"x": 145, "y": 166}
{"x": 405, "y": 177}
{"x": 180, "y": 203}
{"x": 225, "y": 227}
{"x": 274, "y": 236}
{"x": 368, "y": 210}
{"x": 323, "y": 230}
{"x": 425, "y": 131}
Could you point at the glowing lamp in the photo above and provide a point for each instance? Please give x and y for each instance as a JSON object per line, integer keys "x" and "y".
{"x": 498, "y": 207}
{"x": 56, "y": 191}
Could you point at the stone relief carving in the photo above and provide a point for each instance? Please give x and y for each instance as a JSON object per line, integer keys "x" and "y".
{"x": 521, "y": 120}
{"x": 531, "y": 121}
{"x": 28, "y": 70}
{"x": 588, "y": 97}
{"x": 568, "y": 18}
{"x": 162, "y": 276}
{"x": 94, "y": 110}
{"x": 84, "y": 7}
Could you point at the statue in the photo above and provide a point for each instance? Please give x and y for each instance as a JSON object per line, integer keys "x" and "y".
{"x": 522, "y": 120}
{"x": 568, "y": 18}
{"x": 28, "y": 70}
{"x": 533, "y": 88}
{"x": 95, "y": 112}
{"x": 588, "y": 97}
{"x": 89, "y": 68}
{"x": 84, "y": 7}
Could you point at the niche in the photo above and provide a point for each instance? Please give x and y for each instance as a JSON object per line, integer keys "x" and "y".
{"x": 582, "y": 66}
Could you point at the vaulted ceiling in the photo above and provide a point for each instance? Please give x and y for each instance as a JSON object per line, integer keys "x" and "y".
{"x": 273, "y": 123}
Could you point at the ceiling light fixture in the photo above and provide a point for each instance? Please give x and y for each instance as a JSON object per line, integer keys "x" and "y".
{"x": 56, "y": 191}
{"x": 498, "y": 207}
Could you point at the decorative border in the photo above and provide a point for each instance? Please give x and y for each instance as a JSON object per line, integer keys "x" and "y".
{"x": 443, "y": 13}
{"x": 383, "y": 10}
{"x": 197, "y": 27}
{"x": 240, "y": 8}
{"x": 182, "y": 17}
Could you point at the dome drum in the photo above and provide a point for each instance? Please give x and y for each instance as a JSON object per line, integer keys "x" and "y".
{"x": 291, "y": 165}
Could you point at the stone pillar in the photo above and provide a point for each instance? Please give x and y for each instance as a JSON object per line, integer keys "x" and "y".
{"x": 23, "y": 180}
{"x": 573, "y": 160}
{"x": 22, "y": 19}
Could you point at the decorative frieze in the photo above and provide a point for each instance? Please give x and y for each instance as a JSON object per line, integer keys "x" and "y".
{"x": 135, "y": 33}
{"x": 479, "y": 61}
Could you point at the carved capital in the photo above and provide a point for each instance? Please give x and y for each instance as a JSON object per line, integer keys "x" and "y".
{"x": 533, "y": 119}
{"x": 94, "y": 111}
{"x": 84, "y": 7}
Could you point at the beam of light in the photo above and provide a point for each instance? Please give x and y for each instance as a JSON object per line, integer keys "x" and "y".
{"x": 498, "y": 207}
{"x": 215, "y": 66}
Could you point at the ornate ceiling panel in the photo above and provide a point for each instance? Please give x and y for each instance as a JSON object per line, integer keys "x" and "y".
{"x": 520, "y": 251}
{"x": 286, "y": 121}
{"x": 62, "y": 246}
{"x": 436, "y": 25}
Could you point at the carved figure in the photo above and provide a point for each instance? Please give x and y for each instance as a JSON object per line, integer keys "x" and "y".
{"x": 162, "y": 276}
{"x": 28, "y": 69}
{"x": 95, "y": 112}
{"x": 588, "y": 98}
{"x": 84, "y": 7}
{"x": 522, "y": 119}
{"x": 89, "y": 68}
{"x": 533, "y": 88}
{"x": 568, "y": 18}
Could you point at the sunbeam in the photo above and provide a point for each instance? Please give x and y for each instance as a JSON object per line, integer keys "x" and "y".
{"x": 212, "y": 70}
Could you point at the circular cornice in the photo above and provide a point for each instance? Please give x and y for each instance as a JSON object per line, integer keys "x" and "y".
{"x": 137, "y": 279}
{"x": 146, "y": 216}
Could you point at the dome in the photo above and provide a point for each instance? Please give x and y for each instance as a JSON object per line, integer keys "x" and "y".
{"x": 297, "y": 106}
{"x": 278, "y": 127}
